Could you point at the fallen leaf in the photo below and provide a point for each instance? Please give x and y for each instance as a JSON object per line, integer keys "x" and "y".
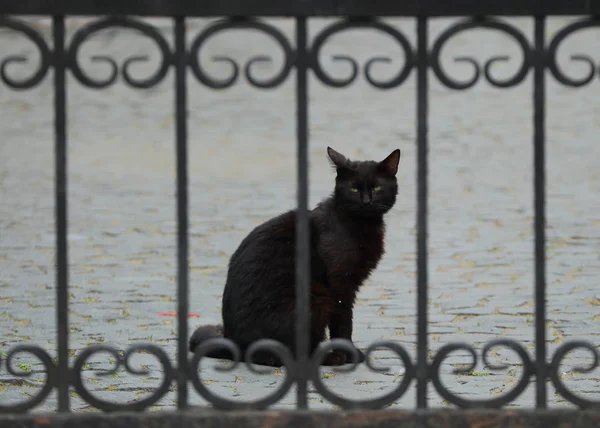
{"x": 174, "y": 314}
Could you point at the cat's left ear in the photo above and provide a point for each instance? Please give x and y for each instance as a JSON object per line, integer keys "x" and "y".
{"x": 390, "y": 164}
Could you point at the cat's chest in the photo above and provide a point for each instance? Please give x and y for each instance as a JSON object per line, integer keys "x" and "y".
{"x": 352, "y": 256}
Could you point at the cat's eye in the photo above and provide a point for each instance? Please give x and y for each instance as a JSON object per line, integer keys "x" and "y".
{"x": 354, "y": 190}
{"x": 377, "y": 188}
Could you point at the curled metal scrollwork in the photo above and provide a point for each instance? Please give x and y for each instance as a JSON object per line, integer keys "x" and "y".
{"x": 492, "y": 24}
{"x": 553, "y": 50}
{"x": 324, "y": 35}
{"x": 554, "y": 374}
{"x": 45, "y": 55}
{"x": 269, "y": 346}
{"x": 148, "y": 30}
{"x": 273, "y": 32}
{"x": 46, "y": 389}
{"x": 125, "y": 360}
{"x": 497, "y": 402}
{"x": 345, "y": 345}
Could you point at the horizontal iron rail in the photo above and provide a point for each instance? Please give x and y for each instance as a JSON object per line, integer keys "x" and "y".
{"x": 357, "y": 419}
{"x": 307, "y": 8}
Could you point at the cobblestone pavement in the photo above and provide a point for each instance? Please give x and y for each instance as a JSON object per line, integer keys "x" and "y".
{"x": 242, "y": 171}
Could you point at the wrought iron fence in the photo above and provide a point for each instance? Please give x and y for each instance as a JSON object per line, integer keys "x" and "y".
{"x": 539, "y": 58}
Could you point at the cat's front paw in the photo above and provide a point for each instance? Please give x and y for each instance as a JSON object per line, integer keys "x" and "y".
{"x": 338, "y": 358}
{"x": 335, "y": 358}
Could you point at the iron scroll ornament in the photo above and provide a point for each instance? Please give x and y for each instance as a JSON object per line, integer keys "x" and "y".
{"x": 553, "y": 50}
{"x": 497, "y": 402}
{"x": 265, "y": 345}
{"x": 491, "y": 24}
{"x": 144, "y": 403}
{"x": 346, "y": 345}
{"x": 294, "y": 370}
{"x": 167, "y": 59}
{"x": 123, "y": 22}
{"x": 340, "y": 26}
{"x": 39, "y": 42}
{"x": 230, "y": 24}
{"x": 561, "y": 388}
{"x": 48, "y": 386}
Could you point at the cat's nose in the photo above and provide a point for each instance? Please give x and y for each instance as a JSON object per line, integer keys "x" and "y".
{"x": 366, "y": 200}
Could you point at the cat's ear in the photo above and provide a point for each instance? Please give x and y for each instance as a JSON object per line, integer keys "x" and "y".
{"x": 337, "y": 159}
{"x": 390, "y": 164}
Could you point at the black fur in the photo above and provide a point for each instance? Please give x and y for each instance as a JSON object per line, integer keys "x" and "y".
{"x": 347, "y": 242}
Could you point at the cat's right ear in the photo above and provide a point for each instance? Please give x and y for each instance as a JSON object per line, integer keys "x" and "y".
{"x": 336, "y": 158}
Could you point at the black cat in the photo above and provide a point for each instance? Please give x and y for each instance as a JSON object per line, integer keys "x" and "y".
{"x": 347, "y": 242}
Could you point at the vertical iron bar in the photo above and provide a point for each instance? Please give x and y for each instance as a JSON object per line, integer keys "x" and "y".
{"x": 182, "y": 211}
{"x": 62, "y": 260}
{"x": 422, "y": 151}
{"x": 302, "y": 225}
{"x": 539, "y": 119}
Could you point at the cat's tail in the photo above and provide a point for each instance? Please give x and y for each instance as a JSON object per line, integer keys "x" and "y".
{"x": 206, "y": 332}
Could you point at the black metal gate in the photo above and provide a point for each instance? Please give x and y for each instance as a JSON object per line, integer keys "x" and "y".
{"x": 420, "y": 59}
